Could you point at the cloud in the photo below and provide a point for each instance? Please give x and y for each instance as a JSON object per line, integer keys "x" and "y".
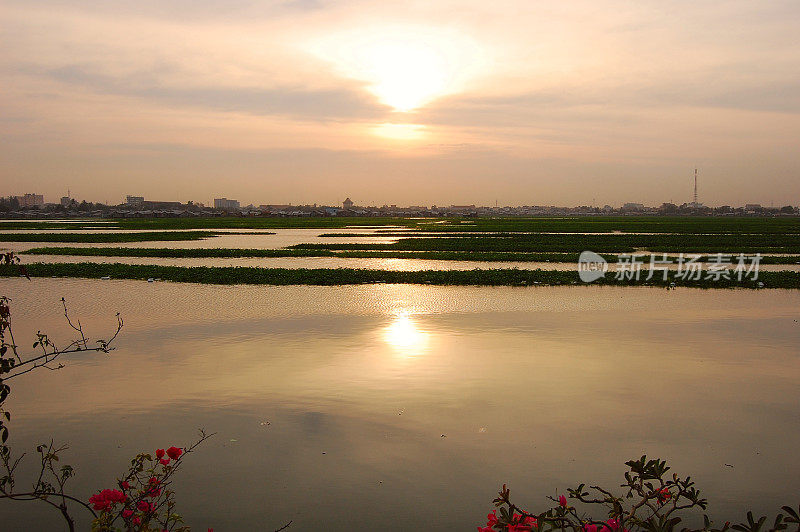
{"x": 303, "y": 103}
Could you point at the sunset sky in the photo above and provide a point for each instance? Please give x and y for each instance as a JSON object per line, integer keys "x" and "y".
{"x": 415, "y": 102}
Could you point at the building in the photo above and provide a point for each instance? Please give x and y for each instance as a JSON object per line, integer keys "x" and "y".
{"x": 632, "y": 207}
{"x": 30, "y": 200}
{"x": 225, "y": 204}
{"x": 134, "y": 200}
{"x": 347, "y": 204}
{"x": 66, "y": 201}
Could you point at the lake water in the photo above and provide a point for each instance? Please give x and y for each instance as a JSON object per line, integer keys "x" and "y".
{"x": 389, "y": 407}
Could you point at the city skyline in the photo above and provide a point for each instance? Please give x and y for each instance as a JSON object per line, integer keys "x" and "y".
{"x": 456, "y": 102}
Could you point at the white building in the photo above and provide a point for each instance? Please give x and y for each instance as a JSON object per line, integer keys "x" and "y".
{"x": 225, "y": 204}
{"x": 30, "y": 200}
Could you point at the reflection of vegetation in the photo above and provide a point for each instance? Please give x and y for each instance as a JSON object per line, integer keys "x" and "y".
{"x": 341, "y": 276}
{"x": 486, "y": 256}
{"x": 652, "y": 502}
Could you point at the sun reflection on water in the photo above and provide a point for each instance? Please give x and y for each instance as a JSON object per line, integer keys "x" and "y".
{"x": 405, "y": 336}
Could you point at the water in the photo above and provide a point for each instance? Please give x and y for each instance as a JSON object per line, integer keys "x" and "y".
{"x": 540, "y": 388}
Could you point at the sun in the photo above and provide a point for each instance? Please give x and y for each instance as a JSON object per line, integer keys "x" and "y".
{"x": 405, "y": 74}
{"x": 404, "y": 67}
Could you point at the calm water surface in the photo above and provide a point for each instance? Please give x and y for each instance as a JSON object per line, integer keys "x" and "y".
{"x": 405, "y": 407}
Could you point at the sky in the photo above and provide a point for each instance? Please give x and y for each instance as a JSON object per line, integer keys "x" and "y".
{"x": 519, "y": 102}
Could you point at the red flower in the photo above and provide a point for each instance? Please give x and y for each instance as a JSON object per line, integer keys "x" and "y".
{"x": 614, "y": 524}
{"x": 143, "y": 506}
{"x": 153, "y": 492}
{"x": 106, "y": 499}
{"x": 663, "y": 495}
{"x": 136, "y": 520}
{"x": 530, "y": 521}
{"x": 164, "y": 461}
{"x": 124, "y": 485}
{"x": 174, "y": 452}
{"x": 127, "y": 513}
{"x": 491, "y": 519}
{"x": 154, "y": 481}
{"x": 480, "y": 529}
{"x": 99, "y": 503}
{"x": 159, "y": 453}
{"x": 562, "y": 501}
{"x": 521, "y": 524}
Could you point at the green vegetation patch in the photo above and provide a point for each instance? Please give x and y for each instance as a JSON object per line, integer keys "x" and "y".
{"x": 570, "y": 224}
{"x": 148, "y": 236}
{"x": 575, "y": 243}
{"x": 343, "y": 276}
{"x": 267, "y": 253}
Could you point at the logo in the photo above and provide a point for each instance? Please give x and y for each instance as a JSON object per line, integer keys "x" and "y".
{"x": 591, "y": 266}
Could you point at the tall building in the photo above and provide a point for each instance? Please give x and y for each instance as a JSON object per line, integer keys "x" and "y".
{"x": 226, "y": 204}
{"x": 347, "y": 204}
{"x": 65, "y": 201}
{"x": 134, "y": 200}
{"x": 30, "y": 200}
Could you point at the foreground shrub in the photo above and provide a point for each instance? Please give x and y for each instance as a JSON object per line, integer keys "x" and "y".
{"x": 651, "y": 502}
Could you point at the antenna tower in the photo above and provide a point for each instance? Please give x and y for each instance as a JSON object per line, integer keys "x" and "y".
{"x": 695, "y": 186}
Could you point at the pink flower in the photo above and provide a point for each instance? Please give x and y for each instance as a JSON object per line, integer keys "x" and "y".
{"x": 562, "y": 501}
{"x": 164, "y": 461}
{"x": 159, "y": 453}
{"x": 174, "y": 452}
{"x": 127, "y": 513}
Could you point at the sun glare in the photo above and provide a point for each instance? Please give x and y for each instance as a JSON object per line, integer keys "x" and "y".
{"x": 403, "y": 335}
{"x": 405, "y": 68}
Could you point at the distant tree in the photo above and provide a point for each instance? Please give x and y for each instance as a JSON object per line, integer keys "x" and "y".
{"x": 788, "y": 209}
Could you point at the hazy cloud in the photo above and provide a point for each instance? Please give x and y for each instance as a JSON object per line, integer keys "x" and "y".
{"x": 308, "y": 104}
